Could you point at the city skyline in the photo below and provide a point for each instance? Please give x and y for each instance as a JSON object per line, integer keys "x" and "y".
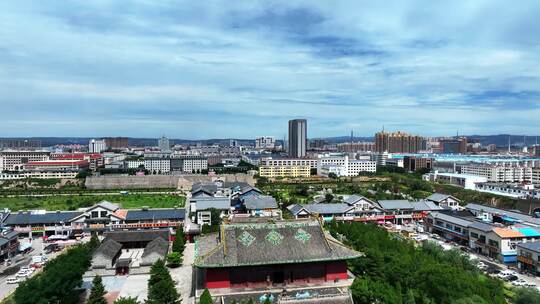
{"x": 243, "y": 69}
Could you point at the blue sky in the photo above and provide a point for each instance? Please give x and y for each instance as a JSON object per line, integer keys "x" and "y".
{"x": 207, "y": 69}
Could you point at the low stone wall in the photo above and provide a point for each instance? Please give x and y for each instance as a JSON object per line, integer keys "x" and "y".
{"x": 182, "y": 182}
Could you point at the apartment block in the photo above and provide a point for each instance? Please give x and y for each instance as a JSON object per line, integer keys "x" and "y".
{"x": 284, "y": 171}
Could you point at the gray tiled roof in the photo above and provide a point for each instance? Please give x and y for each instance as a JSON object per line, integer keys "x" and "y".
{"x": 451, "y": 219}
{"x": 137, "y": 235}
{"x": 156, "y": 214}
{"x": 157, "y": 245}
{"x": 204, "y": 203}
{"x": 107, "y": 205}
{"x": 517, "y": 215}
{"x": 295, "y": 208}
{"x": 266, "y": 244}
{"x": 260, "y": 202}
{"x": 108, "y": 248}
{"x": 532, "y": 246}
{"x": 481, "y": 226}
{"x": 425, "y": 206}
{"x": 438, "y": 197}
{"x": 327, "y": 208}
{"x": 354, "y": 198}
{"x": 26, "y": 218}
{"x": 395, "y": 204}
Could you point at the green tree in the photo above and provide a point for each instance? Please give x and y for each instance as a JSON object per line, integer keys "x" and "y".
{"x": 206, "y": 298}
{"x": 161, "y": 287}
{"x": 97, "y": 293}
{"x": 126, "y": 300}
{"x": 527, "y": 296}
{"x": 94, "y": 242}
{"x": 179, "y": 242}
{"x": 174, "y": 259}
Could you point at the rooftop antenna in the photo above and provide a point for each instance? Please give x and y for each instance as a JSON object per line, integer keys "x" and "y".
{"x": 352, "y": 136}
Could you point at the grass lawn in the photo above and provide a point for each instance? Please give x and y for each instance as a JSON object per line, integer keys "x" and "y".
{"x": 73, "y": 202}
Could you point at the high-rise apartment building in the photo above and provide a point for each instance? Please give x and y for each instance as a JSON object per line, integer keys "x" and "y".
{"x": 96, "y": 146}
{"x": 453, "y": 145}
{"x": 116, "y": 142}
{"x": 297, "y": 138}
{"x": 398, "y": 142}
{"x": 164, "y": 144}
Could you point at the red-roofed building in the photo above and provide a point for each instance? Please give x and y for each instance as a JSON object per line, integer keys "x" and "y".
{"x": 95, "y": 160}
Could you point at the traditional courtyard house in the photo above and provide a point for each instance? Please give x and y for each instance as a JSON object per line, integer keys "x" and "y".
{"x": 106, "y": 254}
{"x": 445, "y": 201}
{"x": 270, "y": 257}
{"x": 123, "y": 252}
{"x": 261, "y": 205}
{"x": 529, "y": 257}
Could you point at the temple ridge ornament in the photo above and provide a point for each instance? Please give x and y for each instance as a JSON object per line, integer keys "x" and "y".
{"x": 274, "y": 237}
{"x": 302, "y": 236}
{"x": 246, "y": 238}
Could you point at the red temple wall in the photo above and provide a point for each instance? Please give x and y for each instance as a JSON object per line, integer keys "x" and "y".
{"x": 336, "y": 271}
{"x": 217, "y": 278}
{"x": 263, "y": 276}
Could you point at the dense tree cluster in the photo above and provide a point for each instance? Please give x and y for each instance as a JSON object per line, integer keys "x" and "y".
{"x": 395, "y": 271}
{"x": 161, "y": 287}
{"x": 60, "y": 279}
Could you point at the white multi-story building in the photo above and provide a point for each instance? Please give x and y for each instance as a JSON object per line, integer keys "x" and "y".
{"x": 16, "y": 160}
{"x": 134, "y": 164}
{"x": 500, "y": 173}
{"x": 265, "y": 143}
{"x": 189, "y": 164}
{"x": 157, "y": 165}
{"x": 466, "y": 181}
{"x": 341, "y": 165}
{"x": 536, "y": 176}
{"x": 97, "y": 146}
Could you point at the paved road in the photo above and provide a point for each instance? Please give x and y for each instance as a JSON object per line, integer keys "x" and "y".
{"x": 7, "y": 289}
{"x": 490, "y": 262}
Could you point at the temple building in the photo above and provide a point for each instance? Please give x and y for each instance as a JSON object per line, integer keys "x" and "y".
{"x": 287, "y": 260}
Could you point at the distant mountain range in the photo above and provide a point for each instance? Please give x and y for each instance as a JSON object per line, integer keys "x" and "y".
{"x": 499, "y": 140}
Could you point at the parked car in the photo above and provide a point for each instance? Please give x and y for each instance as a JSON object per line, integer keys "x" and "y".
{"x": 23, "y": 274}
{"x": 519, "y": 282}
{"x": 13, "y": 280}
{"x": 481, "y": 265}
{"x": 511, "y": 278}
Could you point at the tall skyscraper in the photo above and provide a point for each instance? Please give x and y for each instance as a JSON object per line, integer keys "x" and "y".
{"x": 164, "y": 144}
{"x": 297, "y": 138}
{"x": 398, "y": 142}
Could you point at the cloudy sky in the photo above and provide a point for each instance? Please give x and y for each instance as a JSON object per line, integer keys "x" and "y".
{"x": 201, "y": 69}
